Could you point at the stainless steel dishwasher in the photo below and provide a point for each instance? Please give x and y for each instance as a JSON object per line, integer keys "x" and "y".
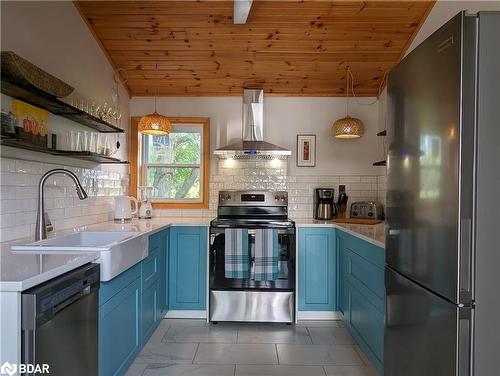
{"x": 60, "y": 323}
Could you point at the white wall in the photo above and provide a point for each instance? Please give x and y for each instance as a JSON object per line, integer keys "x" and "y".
{"x": 53, "y": 36}
{"x": 285, "y": 118}
{"x": 444, "y": 10}
{"x": 338, "y": 161}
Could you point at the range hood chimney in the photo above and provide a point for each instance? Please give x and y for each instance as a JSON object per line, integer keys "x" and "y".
{"x": 252, "y": 144}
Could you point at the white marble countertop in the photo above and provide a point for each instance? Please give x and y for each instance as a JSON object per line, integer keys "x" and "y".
{"x": 374, "y": 234}
{"x": 20, "y": 271}
{"x": 147, "y": 226}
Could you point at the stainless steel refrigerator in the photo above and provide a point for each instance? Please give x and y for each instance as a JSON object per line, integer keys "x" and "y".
{"x": 442, "y": 271}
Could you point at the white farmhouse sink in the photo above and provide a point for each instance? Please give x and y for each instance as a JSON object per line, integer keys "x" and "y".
{"x": 119, "y": 250}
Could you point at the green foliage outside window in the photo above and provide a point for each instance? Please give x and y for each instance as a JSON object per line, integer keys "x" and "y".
{"x": 174, "y": 165}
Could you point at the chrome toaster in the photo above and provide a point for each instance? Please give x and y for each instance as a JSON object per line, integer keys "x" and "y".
{"x": 367, "y": 210}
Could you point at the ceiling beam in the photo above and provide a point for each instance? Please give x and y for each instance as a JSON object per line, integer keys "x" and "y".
{"x": 241, "y": 11}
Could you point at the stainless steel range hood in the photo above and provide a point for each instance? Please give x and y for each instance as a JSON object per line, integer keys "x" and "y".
{"x": 252, "y": 144}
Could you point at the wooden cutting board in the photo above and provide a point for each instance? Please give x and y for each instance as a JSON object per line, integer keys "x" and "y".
{"x": 357, "y": 221}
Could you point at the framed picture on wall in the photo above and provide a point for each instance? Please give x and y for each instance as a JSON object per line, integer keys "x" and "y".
{"x": 306, "y": 150}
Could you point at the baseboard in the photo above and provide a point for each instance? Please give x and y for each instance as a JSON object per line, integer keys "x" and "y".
{"x": 202, "y": 314}
{"x": 319, "y": 315}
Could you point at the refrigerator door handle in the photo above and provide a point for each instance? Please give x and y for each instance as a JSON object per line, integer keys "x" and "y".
{"x": 464, "y": 358}
{"x": 465, "y": 293}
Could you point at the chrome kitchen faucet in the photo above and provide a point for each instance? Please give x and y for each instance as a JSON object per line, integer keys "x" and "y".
{"x": 40, "y": 229}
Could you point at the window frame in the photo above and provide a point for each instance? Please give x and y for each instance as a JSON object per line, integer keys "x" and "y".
{"x": 137, "y": 165}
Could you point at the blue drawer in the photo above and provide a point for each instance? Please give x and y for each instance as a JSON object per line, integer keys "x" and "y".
{"x": 110, "y": 288}
{"x": 150, "y": 268}
{"x": 155, "y": 241}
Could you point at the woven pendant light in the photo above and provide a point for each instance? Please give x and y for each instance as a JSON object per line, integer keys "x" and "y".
{"x": 348, "y": 127}
{"x": 155, "y": 124}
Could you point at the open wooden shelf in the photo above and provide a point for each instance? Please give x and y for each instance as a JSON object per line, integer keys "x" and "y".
{"x": 381, "y": 163}
{"x": 83, "y": 155}
{"x": 36, "y": 97}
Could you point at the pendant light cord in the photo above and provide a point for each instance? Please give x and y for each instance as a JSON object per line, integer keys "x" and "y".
{"x": 349, "y": 73}
{"x": 347, "y": 91}
{"x": 156, "y": 87}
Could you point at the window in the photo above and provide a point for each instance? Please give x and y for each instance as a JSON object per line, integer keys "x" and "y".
{"x": 176, "y": 165}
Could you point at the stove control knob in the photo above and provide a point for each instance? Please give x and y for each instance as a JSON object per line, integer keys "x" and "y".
{"x": 225, "y": 197}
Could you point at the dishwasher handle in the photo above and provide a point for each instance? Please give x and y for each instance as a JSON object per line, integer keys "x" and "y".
{"x": 41, "y": 303}
{"x": 59, "y": 307}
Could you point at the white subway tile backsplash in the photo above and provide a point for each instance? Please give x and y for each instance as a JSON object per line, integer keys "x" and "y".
{"x": 19, "y": 180}
{"x": 24, "y": 167}
{"x": 328, "y": 179}
{"x": 7, "y": 165}
{"x": 6, "y": 220}
{"x": 26, "y": 192}
{"x": 24, "y": 218}
{"x": 16, "y": 232}
{"x": 368, "y": 179}
{"x": 350, "y": 179}
{"x": 243, "y": 174}
{"x": 307, "y": 179}
{"x": 7, "y": 192}
{"x": 75, "y": 211}
{"x": 14, "y": 179}
{"x": 167, "y": 212}
{"x": 19, "y": 196}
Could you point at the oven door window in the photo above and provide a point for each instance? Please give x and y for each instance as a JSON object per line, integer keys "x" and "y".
{"x": 286, "y": 264}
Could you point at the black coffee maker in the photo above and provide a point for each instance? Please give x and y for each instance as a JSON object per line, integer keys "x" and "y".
{"x": 324, "y": 204}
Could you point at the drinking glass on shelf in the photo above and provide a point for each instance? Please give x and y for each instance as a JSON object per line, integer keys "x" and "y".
{"x": 103, "y": 144}
{"x": 85, "y": 141}
{"x": 94, "y": 142}
{"x": 65, "y": 142}
{"x": 80, "y": 141}
{"x": 74, "y": 140}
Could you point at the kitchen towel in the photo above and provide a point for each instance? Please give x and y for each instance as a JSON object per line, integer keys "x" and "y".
{"x": 266, "y": 254}
{"x": 236, "y": 253}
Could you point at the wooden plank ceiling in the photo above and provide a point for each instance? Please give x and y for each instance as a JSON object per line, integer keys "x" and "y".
{"x": 287, "y": 47}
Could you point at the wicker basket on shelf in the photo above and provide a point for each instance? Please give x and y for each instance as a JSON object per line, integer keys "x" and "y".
{"x": 19, "y": 69}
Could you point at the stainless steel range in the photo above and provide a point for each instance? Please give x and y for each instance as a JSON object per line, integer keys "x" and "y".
{"x": 252, "y": 258}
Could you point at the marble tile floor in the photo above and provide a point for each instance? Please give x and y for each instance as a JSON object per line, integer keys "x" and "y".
{"x": 195, "y": 348}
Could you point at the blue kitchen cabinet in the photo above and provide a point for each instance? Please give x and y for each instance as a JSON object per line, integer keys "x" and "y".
{"x": 158, "y": 243}
{"x": 340, "y": 272}
{"x": 150, "y": 309}
{"x": 150, "y": 302}
{"x": 119, "y": 322}
{"x": 187, "y": 268}
{"x": 362, "y": 293}
{"x": 317, "y": 269}
{"x": 164, "y": 273}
